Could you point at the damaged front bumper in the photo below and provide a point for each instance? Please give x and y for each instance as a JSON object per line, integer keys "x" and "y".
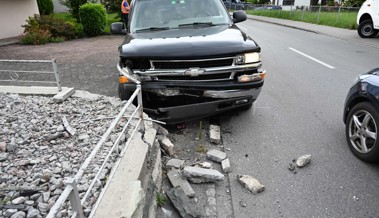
{"x": 175, "y": 101}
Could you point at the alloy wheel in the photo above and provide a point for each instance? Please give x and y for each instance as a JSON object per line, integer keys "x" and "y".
{"x": 362, "y": 131}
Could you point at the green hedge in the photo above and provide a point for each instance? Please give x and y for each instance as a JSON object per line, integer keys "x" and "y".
{"x": 45, "y": 7}
{"x": 93, "y": 18}
{"x": 41, "y": 29}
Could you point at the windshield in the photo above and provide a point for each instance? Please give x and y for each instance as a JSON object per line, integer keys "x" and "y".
{"x": 159, "y": 15}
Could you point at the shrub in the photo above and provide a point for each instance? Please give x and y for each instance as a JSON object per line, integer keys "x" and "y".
{"x": 45, "y": 7}
{"x": 93, "y": 18}
{"x": 57, "y": 27}
{"x": 77, "y": 27}
{"x": 57, "y": 39}
{"x": 36, "y": 37}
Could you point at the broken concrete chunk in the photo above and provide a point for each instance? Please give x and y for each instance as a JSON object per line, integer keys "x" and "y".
{"x": 175, "y": 163}
{"x": 292, "y": 167}
{"x": 250, "y": 183}
{"x": 200, "y": 175}
{"x": 205, "y": 165}
{"x": 167, "y": 145}
{"x": 216, "y": 155}
{"x": 160, "y": 129}
{"x": 215, "y": 134}
{"x": 225, "y": 164}
{"x": 182, "y": 203}
{"x": 177, "y": 180}
{"x": 303, "y": 160}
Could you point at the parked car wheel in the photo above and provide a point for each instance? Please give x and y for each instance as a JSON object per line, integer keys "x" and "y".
{"x": 366, "y": 29}
{"x": 361, "y": 131}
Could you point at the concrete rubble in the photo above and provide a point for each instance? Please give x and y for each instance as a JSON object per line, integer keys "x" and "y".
{"x": 182, "y": 203}
{"x": 177, "y": 180}
{"x": 166, "y": 145}
{"x": 303, "y": 160}
{"x": 201, "y": 175}
{"x": 215, "y": 134}
{"x": 225, "y": 164}
{"x": 250, "y": 183}
{"x": 216, "y": 155}
{"x": 205, "y": 165}
{"x": 174, "y": 163}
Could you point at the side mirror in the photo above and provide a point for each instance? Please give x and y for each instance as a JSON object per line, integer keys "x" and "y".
{"x": 239, "y": 16}
{"x": 118, "y": 28}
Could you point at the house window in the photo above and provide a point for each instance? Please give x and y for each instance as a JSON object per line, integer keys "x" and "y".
{"x": 288, "y": 2}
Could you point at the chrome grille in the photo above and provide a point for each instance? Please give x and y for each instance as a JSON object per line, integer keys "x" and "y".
{"x": 186, "y": 64}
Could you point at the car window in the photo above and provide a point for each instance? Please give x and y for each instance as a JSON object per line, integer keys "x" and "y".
{"x": 168, "y": 14}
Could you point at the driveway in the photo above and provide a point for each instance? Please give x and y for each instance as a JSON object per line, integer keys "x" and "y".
{"x": 87, "y": 64}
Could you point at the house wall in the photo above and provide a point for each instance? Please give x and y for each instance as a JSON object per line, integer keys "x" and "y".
{"x": 296, "y": 3}
{"x": 13, "y": 14}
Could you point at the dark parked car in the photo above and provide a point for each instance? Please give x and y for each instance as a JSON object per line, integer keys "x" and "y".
{"x": 191, "y": 59}
{"x": 235, "y": 4}
{"x": 361, "y": 116}
{"x": 269, "y": 7}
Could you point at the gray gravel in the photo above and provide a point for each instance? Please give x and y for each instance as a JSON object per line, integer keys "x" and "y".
{"x": 38, "y": 154}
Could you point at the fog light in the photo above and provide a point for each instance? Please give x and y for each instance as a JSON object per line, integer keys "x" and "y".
{"x": 122, "y": 79}
{"x": 243, "y": 101}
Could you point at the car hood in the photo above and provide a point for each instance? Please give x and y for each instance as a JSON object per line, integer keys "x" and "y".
{"x": 194, "y": 42}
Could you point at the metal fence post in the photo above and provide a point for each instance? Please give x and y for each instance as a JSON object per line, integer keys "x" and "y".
{"x": 139, "y": 99}
{"x": 339, "y": 13}
{"x": 318, "y": 15}
{"x": 302, "y": 15}
{"x": 74, "y": 198}
{"x": 56, "y": 75}
{"x": 290, "y": 11}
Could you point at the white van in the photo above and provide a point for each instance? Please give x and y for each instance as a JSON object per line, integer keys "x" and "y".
{"x": 368, "y": 19}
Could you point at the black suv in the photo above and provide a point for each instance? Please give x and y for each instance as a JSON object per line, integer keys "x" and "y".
{"x": 190, "y": 58}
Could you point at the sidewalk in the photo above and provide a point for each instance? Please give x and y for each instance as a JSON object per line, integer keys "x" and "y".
{"x": 339, "y": 33}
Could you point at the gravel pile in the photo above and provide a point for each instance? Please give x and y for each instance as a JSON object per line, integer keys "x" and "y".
{"x": 37, "y": 152}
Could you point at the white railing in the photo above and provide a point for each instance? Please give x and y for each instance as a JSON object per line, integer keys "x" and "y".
{"x": 71, "y": 191}
{"x": 14, "y": 75}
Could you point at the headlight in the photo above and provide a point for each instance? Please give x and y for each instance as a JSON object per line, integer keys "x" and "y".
{"x": 248, "y": 58}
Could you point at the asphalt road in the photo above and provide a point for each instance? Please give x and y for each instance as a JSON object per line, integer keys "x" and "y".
{"x": 300, "y": 112}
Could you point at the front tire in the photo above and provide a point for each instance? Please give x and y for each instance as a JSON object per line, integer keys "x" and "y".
{"x": 361, "y": 131}
{"x": 123, "y": 93}
{"x": 366, "y": 29}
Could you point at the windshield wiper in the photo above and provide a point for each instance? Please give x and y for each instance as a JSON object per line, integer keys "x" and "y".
{"x": 197, "y": 24}
{"x": 153, "y": 29}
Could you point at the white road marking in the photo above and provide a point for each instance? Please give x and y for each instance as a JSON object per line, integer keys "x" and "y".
{"x": 312, "y": 58}
{"x": 243, "y": 28}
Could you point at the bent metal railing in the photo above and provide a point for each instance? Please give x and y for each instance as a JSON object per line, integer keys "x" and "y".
{"x": 14, "y": 75}
{"x": 71, "y": 190}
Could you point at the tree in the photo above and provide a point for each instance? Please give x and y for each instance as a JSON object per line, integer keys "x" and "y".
{"x": 73, "y": 6}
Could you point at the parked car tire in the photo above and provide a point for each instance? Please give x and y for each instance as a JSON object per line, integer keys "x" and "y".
{"x": 123, "y": 93}
{"x": 361, "y": 131}
{"x": 366, "y": 29}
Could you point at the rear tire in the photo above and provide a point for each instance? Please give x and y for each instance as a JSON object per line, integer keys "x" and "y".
{"x": 366, "y": 29}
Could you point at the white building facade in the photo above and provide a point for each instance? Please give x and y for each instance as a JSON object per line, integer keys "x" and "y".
{"x": 13, "y": 14}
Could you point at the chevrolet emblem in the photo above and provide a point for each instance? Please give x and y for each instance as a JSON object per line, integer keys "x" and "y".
{"x": 194, "y": 72}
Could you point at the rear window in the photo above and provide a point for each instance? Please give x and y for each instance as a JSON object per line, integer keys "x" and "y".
{"x": 170, "y": 14}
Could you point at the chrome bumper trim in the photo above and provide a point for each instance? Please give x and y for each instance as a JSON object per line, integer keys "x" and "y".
{"x": 232, "y": 93}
